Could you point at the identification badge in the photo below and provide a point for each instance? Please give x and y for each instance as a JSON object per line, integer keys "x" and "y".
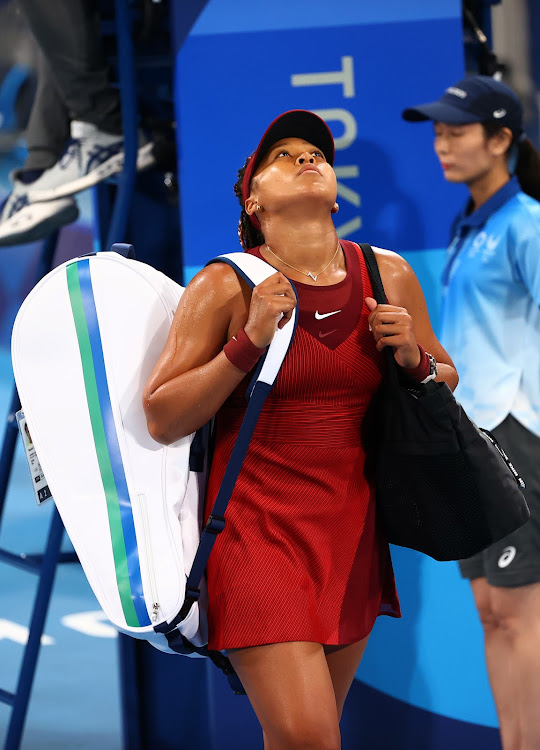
{"x": 41, "y": 488}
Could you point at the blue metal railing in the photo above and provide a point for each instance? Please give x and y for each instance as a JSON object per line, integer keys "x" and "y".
{"x": 44, "y": 565}
{"x": 126, "y": 80}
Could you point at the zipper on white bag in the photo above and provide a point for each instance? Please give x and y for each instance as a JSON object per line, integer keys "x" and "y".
{"x": 141, "y": 501}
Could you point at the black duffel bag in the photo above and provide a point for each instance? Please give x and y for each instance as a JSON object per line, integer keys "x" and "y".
{"x": 443, "y": 485}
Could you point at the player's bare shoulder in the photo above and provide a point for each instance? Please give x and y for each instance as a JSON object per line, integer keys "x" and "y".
{"x": 391, "y": 263}
{"x": 217, "y": 282}
{"x": 397, "y": 275}
{"x": 215, "y": 290}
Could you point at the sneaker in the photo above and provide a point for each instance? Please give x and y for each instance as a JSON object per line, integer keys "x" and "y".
{"x": 90, "y": 157}
{"x": 21, "y": 221}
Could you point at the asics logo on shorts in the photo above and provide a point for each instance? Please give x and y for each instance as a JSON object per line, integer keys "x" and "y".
{"x": 507, "y": 556}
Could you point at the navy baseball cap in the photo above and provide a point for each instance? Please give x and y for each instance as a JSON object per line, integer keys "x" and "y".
{"x": 473, "y": 99}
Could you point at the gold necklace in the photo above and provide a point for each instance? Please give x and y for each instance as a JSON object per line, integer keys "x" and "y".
{"x": 313, "y": 276}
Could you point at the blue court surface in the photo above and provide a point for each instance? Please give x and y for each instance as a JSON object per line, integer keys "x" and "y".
{"x": 75, "y": 702}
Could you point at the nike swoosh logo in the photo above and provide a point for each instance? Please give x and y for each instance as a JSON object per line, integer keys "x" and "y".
{"x": 322, "y": 335}
{"x": 321, "y": 316}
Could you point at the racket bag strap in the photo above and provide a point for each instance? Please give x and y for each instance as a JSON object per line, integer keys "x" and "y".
{"x": 216, "y": 520}
{"x": 180, "y": 645}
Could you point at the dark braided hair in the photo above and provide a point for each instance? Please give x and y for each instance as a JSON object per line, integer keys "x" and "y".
{"x": 528, "y": 161}
{"x": 248, "y": 235}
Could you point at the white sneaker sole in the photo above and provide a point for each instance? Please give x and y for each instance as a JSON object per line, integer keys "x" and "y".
{"x": 112, "y": 166}
{"x": 37, "y": 221}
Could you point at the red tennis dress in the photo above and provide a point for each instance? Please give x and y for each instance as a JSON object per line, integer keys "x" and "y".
{"x": 301, "y": 557}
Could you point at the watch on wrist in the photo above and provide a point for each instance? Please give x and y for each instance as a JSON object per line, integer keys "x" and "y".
{"x": 432, "y": 369}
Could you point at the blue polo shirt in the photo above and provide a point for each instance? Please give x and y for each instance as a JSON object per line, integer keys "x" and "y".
{"x": 491, "y": 309}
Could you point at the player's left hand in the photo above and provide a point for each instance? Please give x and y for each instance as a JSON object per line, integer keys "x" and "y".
{"x": 393, "y": 326}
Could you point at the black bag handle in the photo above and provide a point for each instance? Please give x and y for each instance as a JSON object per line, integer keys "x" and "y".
{"x": 380, "y": 297}
{"x": 373, "y": 269}
{"x": 395, "y": 372}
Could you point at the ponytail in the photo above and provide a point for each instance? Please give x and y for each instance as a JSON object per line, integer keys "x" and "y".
{"x": 248, "y": 235}
{"x": 528, "y": 169}
{"x": 526, "y": 158}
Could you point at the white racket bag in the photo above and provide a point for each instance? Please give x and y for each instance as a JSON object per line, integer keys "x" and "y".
{"x": 84, "y": 343}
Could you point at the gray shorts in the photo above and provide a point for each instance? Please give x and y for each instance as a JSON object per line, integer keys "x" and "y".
{"x": 515, "y": 560}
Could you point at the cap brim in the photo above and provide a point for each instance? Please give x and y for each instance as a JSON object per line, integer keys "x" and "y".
{"x": 439, "y": 112}
{"x": 297, "y": 123}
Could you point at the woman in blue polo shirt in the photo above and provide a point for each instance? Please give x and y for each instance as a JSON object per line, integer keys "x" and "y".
{"x": 491, "y": 329}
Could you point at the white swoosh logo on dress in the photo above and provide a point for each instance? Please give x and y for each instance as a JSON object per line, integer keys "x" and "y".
{"x": 320, "y": 316}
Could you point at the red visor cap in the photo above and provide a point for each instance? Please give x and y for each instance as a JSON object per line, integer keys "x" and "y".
{"x": 297, "y": 123}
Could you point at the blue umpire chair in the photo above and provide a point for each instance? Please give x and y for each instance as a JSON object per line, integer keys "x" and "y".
{"x": 136, "y": 41}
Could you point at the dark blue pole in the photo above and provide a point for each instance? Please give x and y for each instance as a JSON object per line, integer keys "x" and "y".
{"x": 126, "y": 76}
{"x": 31, "y": 652}
{"x": 8, "y": 448}
{"x": 10, "y": 435}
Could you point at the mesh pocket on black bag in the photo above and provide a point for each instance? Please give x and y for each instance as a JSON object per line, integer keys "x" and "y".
{"x": 448, "y": 528}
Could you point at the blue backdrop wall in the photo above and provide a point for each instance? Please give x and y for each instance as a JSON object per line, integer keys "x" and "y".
{"x": 358, "y": 63}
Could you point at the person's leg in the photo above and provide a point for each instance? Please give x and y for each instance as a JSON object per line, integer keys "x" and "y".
{"x": 291, "y": 691}
{"x": 46, "y": 134}
{"x": 507, "y": 596}
{"x": 68, "y": 32}
{"x": 513, "y": 654}
{"x": 343, "y": 663}
{"x": 528, "y": 663}
{"x": 48, "y": 126}
{"x": 502, "y": 671}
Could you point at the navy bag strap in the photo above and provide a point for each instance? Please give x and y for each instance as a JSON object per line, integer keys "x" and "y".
{"x": 253, "y": 270}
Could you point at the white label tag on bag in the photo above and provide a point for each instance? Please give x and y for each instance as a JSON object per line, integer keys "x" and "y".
{"x": 41, "y": 488}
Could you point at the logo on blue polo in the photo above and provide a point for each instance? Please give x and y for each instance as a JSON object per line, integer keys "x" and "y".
{"x": 484, "y": 244}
